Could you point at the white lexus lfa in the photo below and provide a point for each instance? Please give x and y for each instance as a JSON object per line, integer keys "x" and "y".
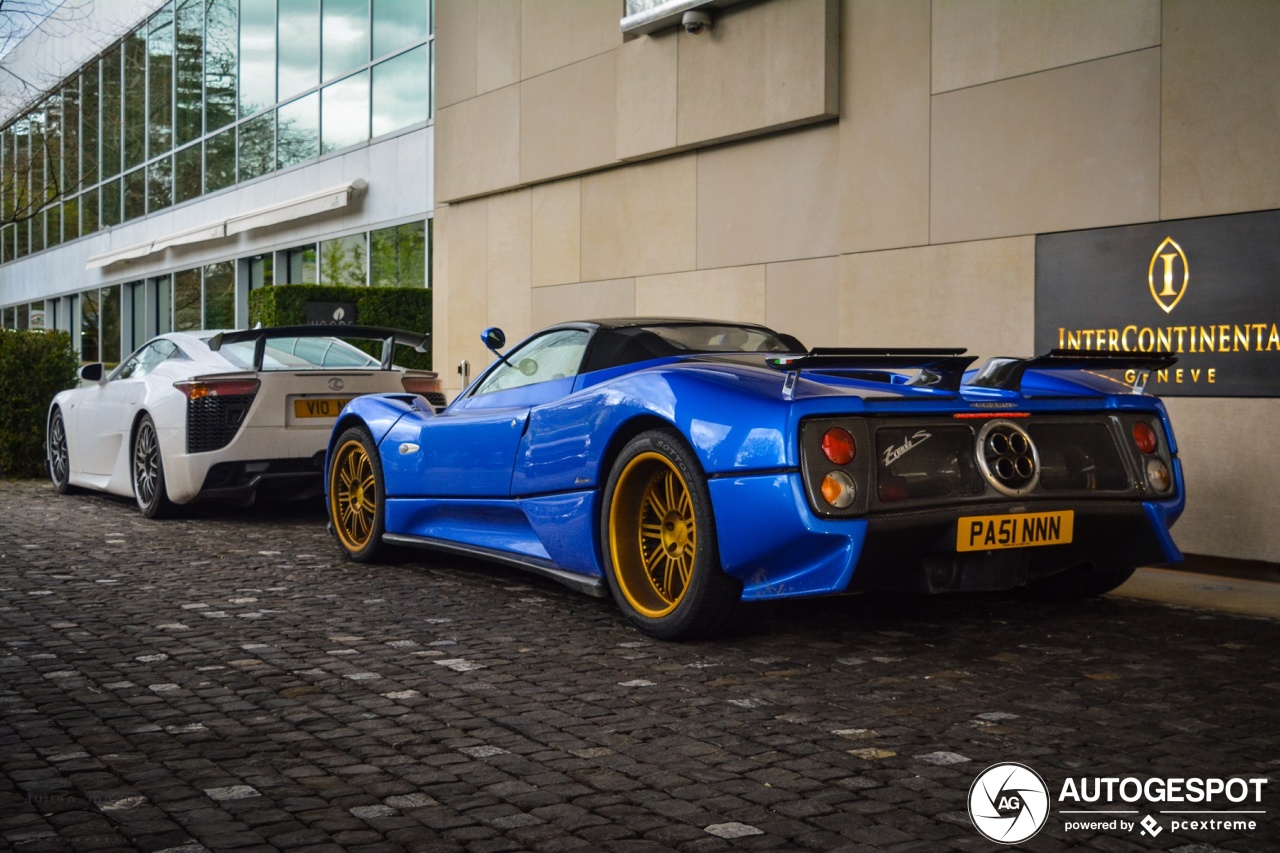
{"x": 221, "y": 415}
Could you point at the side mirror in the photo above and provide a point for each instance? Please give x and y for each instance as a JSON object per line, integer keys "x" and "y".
{"x": 493, "y": 338}
{"x": 92, "y": 372}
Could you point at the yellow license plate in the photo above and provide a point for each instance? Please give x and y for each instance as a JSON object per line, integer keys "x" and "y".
{"x": 316, "y": 407}
{"x": 1017, "y": 530}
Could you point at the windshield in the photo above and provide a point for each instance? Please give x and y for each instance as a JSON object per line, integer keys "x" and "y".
{"x": 300, "y": 354}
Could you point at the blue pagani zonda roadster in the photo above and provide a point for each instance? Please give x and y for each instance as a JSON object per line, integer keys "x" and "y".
{"x": 690, "y": 466}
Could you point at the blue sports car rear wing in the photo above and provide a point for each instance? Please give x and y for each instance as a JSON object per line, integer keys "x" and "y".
{"x": 1006, "y": 374}
{"x": 259, "y": 337}
{"x": 939, "y": 368}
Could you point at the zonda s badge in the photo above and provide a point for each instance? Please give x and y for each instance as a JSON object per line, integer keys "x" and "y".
{"x": 1173, "y": 269}
{"x": 893, "y": 454}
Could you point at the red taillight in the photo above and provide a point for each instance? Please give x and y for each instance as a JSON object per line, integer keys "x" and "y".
{"x": 423, "y": 385}
{"x": 197, "y": 389}
{"x": 838, "y": 446}
{"x": 1144, "y": 436}
{"x": 892, "y": 489}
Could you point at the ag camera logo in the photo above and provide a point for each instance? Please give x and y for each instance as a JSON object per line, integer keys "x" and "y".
{"x": 1008, "y": 803}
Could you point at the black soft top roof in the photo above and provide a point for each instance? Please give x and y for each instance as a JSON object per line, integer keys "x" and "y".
{"x": 629, "y": 340}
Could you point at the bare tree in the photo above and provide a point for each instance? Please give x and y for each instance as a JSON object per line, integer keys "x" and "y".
{"x": 32, "y": 179}
{"x": 36, "y": 19}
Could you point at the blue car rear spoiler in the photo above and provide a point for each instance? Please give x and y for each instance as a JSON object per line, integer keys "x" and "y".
{"x": 1006, "y": 374}
{"x": 939, "y": 368}
{"x": 259, "y": 337}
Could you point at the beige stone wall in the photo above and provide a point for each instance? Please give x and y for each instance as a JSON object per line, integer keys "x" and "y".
{"x": 855, "y": 172}
{"x": 535, "y": 90}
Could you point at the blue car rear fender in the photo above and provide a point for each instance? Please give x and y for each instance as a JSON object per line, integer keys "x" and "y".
{"x": 377, "y": 413}
{"x": 571, "y": 444}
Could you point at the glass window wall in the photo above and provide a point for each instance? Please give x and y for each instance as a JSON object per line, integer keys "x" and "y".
{"x": 258, "y": 146}
{"x": 110, "y": 119}
{"x": 257, "y": 57}
{"x": 138, "y": 303}
{"x": 300, "y": 265}
{"x": 401, "y": 92}
{"x": 342, "y": 261}
{"x": 135, "y": 98}
{"x": 397, "y": 24}
{"x": 189, "y": 70}
{"x": 220, "y": 295}
{"x": 260, "y": 270}
{"x": 89, "y": 126}
{"x": 204, "y": 94}
{"x": 187, "y": 302}
{"x": 345, "y": 36}
{"x": 71, "y": 137}
{"x": 111, "y": 203}
{"x": 135, "y": 194}
{"x": 344, "y": 113}
{"x": 164, "y": 304}
{"x": 109, "y": 325}
{"x": 160, "y": 184}
{"x": 220, "y": 161}
{"x": 89, "y": 326}
{"x": 187, "y": 173}
{"x": 220, "y": 42}
{"x": 398, "y": 256}
{"x": 298, "y": 65}
{"x": 160, "y": 82}
{"x": 298, "y": 131}
{"x": 205, "y": 297}
{"x": 71, "y": 218}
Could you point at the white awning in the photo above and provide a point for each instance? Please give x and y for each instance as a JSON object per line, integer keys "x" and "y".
{"x": 322, "y": 201}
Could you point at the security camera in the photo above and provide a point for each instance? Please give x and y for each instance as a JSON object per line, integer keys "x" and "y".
{"x": 695, "y": 21}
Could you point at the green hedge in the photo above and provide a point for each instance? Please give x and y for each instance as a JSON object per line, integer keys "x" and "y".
{"x": 34, "y": 366}
{"x": 406, "y": 308}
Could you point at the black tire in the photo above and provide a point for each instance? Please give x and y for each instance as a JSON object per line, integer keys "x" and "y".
{"x": 658, "y": 537}
{"x": 1082, "y": 581}
{"x": 147, "y": 471}
{"x": 357, "y": 495}
{"x": 57, "y": 455}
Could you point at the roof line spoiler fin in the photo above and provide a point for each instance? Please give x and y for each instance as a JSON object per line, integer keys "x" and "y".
{"x": 1006, "y": 374}
{"x": 941, "y": 368}
{"x": 418, "y": 341}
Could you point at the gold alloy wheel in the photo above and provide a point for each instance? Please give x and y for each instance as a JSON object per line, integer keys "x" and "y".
{"x": 353, "y": 496}
{"x": 653, "y": 534}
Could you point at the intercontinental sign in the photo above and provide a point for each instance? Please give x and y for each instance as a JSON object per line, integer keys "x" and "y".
{"x": 1205, "y": 290}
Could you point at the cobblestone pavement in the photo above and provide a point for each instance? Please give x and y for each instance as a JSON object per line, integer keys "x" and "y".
{"x": 227, "y": 681}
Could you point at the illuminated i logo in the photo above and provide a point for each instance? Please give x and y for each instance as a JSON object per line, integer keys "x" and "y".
{"x": 1167, "y": 286}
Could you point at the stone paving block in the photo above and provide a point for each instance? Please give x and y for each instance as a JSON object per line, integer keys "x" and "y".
{"x": 440, "y": 704}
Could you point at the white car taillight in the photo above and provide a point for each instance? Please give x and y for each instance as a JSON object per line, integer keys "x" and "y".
{"x": 198, "y": 389}
{"x": 423, "y": 385}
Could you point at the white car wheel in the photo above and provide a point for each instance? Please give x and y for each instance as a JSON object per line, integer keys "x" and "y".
{"x": 148, "y": 471}
{"x": 59, "y": 457}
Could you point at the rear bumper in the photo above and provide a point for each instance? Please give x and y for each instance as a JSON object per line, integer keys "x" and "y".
{"x": 916, "y": 552}
{"x": 290, "y": 455}
{"x": 284, "y": 479}
{"x": 771, "y": 541}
